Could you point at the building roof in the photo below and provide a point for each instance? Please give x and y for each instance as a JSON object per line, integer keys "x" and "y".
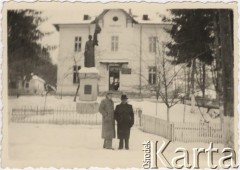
{"x": 35, "y": 77}
{"x": 107, "y": 10}
{"x": 150, "y": 18}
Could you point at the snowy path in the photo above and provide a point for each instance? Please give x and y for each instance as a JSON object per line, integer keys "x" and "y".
{"x": 72, "y": 146}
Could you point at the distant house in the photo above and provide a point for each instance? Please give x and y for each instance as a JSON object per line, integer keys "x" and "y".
{"x": 29, "y": 84}
{"x": 36, "y": 85}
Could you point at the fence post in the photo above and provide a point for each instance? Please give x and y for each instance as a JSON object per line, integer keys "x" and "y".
{"x": 24, "y": 112}
{"x": 172, "y": 132}
{"x": 11, "y": 115}
{"x": 142, "y": 123}
{"x": 140, "y": 120}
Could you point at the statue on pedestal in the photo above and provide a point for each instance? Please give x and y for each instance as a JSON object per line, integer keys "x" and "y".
{"x": 89, "y": 53}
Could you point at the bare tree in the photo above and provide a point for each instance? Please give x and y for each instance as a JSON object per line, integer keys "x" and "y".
{"x": 167, "y": 87}
{"x": 169, "y": 81}
{"x": 76, "y": 59}
{"x": 78, "y": 78}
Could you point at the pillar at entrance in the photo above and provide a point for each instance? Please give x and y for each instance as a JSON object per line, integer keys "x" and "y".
{"x": 88, "y": 90}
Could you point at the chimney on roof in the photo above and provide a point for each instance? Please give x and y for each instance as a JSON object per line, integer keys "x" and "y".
{"x": 145, "y": 17}
{"x": 86, "y": 17}
{"x": 130, "y": 12}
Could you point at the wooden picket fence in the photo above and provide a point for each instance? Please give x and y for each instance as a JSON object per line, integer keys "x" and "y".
{"x": 61, "y": 115}
{"x": 197, "y": 132}
{"x": 182, "y": 132}
{"x": 156, "y": 126}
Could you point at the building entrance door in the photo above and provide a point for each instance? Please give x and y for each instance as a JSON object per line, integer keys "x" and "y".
{"x": 114, "y": 75}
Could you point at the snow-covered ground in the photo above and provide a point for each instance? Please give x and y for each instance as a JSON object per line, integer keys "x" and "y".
{"x": 72, "y": 146}
{"x": 69, "y": 146}
{"x": 148, "y": 107}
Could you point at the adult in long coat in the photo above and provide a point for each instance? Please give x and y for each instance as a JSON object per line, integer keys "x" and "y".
{"x": 125, "y": 119}
{"x": 106, "y": 108}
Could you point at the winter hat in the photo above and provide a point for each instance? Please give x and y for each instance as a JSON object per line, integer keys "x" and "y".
{"x": 124, "y": 96}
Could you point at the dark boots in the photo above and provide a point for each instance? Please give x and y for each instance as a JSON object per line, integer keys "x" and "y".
{"x": 127, "y": 144}
{"x": 120, "y": 144}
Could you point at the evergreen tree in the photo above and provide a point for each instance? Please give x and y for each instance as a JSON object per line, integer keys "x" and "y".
{"x": 25, "y": 52}
{"x": 192, "y": 35}
{"x": 207, "y": 35}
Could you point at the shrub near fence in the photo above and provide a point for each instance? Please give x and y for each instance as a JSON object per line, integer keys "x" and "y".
{"x": 62, "y": 115}
{"x": 182, "y": 132}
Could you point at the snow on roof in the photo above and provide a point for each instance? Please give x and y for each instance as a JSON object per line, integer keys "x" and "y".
{"x": 73, "y": 22}
{"x": 113, "y": 61}
{"x": 152, "y": 18}
{"x": 88, "y": 70}
{"x": 35, "y": 77}
{"x": 129, "y": 16}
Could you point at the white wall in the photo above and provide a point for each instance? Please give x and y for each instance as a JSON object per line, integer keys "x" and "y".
{"x": 37, "y": 86}
{"x": 67, "y": 55}
{"x": 129, "y": 49}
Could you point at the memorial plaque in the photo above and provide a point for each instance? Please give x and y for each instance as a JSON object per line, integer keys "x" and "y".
{"x": 126, "y": 70}
{"x": 87, "y": 89}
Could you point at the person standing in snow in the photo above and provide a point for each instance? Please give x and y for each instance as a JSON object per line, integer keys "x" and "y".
{"x": 106, "y": 108}
{"x": 125, "y": 119}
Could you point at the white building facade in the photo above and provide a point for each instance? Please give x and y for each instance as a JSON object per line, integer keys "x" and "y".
{"x": 125, "y": 57}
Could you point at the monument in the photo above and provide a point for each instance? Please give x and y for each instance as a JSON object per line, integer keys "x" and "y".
{"x": 89, "y": 76}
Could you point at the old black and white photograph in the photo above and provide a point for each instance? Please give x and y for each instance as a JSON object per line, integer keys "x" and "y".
{"x": 120, "y": 85}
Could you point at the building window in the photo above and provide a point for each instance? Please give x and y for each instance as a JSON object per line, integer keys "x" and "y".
{"x": 152, "y": 75}
{"x": 114, "y": 43}
{"x": 153, "y": 44}
{"x": 76, "y": 74}
{"x": 78, "y": 44}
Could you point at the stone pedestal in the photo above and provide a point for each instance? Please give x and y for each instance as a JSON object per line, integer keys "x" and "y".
{"x": 88, "y": 90}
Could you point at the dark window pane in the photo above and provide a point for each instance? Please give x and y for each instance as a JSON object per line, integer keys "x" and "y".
{"x": 75, "y": 46}
{"x": 154, "y": 79}
{"x": 79, "y": 47}
{"x": 149, "y": 78}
